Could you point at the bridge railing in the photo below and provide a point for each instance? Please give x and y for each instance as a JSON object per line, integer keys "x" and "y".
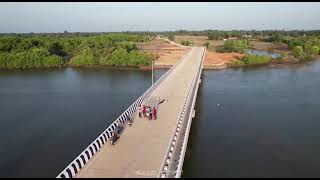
{"x": 183, "y": 148}
{"x": 173, "y": 161}
{"x": 76, "y": 165}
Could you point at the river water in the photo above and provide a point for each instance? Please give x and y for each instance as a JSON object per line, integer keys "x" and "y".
{"x": 49, "y": 117}
{"x": 260, "y": 52}
{"x": 266, "y": 125}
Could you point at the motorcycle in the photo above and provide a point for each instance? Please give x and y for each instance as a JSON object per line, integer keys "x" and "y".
{"x": 114, "y": 140}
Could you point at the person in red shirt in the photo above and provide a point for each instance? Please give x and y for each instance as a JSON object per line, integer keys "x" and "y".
{"x": 144, "y": 111}
{"x": 154, "y": 113}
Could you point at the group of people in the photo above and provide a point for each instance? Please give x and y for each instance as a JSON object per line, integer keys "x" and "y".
{"x": 148, "y": 112}
{"x": 144, "y": 111}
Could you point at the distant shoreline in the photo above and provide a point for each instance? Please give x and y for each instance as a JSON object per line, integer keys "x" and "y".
{"x": 158, "y": 67}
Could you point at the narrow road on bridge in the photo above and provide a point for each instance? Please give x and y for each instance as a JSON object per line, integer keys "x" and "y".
{"x": 141, "y": 148}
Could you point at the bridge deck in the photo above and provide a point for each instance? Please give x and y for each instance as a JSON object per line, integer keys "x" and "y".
{"x": 141, "y": 148}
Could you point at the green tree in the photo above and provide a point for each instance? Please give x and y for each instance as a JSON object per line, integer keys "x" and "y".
{"x": 206, "y": 44}
{"x": 187, "y": 43}
{"x": 47, "y": 50}
{"x": 314, "y": 50}
{"x": 277, "y": 38}
{"x": 3, "y": 60}
{"x": 214, "y": 35}
{"x": 119, "y": 57}
{"x": 256, "y": 59}
{"x": 307, "y": 46}
{"x": 55, "y": 48}
{"x": 129, "y": 46}
{"x": 141, "y": 58}
{"x": 240, "y": 46}
{"x": 86, "y": 57}
{"x": 171, "y": 37}
{"x": 283, "y": 55}
{"x": 298, "y": 51}
{"x": 52, "y": 61}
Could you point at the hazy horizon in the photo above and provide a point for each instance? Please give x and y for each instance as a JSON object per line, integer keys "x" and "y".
{"x": 56, "y": 17}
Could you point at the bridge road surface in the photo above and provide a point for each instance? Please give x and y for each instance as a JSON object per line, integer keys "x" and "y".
{"x": 141, "y": 149}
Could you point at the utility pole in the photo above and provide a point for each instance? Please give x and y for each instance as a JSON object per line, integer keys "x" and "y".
{"x": 152, "y": 72}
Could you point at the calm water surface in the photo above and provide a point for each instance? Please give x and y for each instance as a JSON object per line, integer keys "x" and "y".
{"x": 259, "y": 52}
{"x": 49, "y": 117}
{"x": 266, "y": 125}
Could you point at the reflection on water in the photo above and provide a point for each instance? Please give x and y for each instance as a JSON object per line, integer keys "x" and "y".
{"x": 260, "y": 52}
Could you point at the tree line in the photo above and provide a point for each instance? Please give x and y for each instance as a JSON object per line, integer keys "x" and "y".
{"x": 222, "y": 34}
{"x": 44, "y": 50}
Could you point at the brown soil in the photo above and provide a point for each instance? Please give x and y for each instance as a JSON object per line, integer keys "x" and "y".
{"x": 155, "y": 44}
{"x": 214, "y": 44}
{"x": 214, "y": 60}
{"x": 267, "y": 46}
{"x": 200, "y": 40}
{"x": 169, "y": 53}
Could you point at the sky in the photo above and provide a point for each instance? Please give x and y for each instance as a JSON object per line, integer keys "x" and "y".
{"x": 25, "y": 17}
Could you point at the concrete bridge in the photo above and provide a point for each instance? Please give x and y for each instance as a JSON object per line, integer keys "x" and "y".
{"x": 149, "y": 148}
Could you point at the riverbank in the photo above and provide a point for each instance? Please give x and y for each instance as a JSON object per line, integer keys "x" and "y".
{"x": 123, "y": 67}
{"x": 169, "y": 53}
{"x": 208, "y": 65}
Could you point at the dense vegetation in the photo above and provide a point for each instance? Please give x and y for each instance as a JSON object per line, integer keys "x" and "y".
{"x": 264, "y": 34}
{"x": 305, "y": 45}
{"x": 240, "y": 46}
{"x": 206, "y": 44}
{"x": 251, "y": 59}
{"x": 38, "y": 51}
{"x": 255, "y": 59}
{"x": 305, "y": 48}
{"x": 31, "y": 50}
{"x": 186, "y": 42}
{"x": 171, "y": 37}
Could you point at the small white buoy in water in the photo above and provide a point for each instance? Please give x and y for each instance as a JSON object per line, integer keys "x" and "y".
{"x": 218, "y": 105}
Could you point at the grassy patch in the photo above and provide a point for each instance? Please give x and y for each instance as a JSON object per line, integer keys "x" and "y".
{"x": 250, "y": 59}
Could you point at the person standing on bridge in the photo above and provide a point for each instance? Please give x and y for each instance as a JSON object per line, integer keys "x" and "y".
{"x": 115, "y": 136}
{"x": 148, "y": 112}
{"x": 144, "y": 111}
{"x": 140, "y": 111}
{"x": 154, "y": 113}
{"x": 119, "y": 128}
